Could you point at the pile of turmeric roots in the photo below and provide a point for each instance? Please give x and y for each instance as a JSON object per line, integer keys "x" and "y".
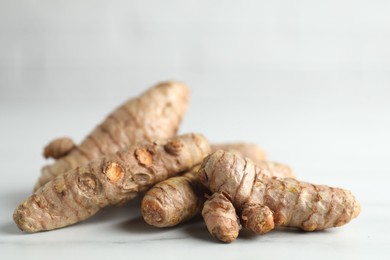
{"x": 135, "y": 150}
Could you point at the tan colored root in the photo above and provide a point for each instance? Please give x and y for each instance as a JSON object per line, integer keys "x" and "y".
{"x": 180, "y": 198}
{"x": 111, "y": 180}
{"x": 58, "y": 148}
{"x": 156, "y": 114}
{"x": 220, "y": 217}
{"x": 275, "y": 169}
{"x": 248, "y": 150}
{"x": 258, "y": 156}
{"x": 291, "y": 202}
{"x": 257, "y": 218}
{"x": 174, "y": 200}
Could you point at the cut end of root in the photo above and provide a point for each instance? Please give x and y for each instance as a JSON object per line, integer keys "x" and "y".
{"x": 225, "y": 235}
{"x": 144, "y": 157}
{"x": 21, "y": 220}
{"x": 174, "y": 147}
{"x": 257, "y": 218}
{"x": 153, "y": 213}
{"x": 114, "y": 172}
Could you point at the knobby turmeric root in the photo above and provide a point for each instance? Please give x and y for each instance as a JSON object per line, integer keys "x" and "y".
{"x": 263, "y": 202}
{"x": 180, "y": 198}
{"x": 221, "y": 217}
{"x": 156, "y": 114}
{"x": 114, "y": 179}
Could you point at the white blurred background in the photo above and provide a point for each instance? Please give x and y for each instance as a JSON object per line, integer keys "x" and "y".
{"x": 307, "y": 80}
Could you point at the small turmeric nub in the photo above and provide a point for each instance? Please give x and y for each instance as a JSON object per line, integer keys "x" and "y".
{"x": 247, "y": 150}
{"x": 58, "y": 148}
{"x": 257, "y": 218}
{"x": 144, "y": 157}
{"x": 173, "y": 147}
{"x": 220, "y": 217}
{"x": 114, "y": 172}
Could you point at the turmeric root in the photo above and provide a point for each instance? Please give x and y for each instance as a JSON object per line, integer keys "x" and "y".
{"x": 114, "y": 179}
{"x": 221, "y": 217}
{"x": 156, "y": 114}
{"x": 58, "y": 148}
{"x": 174, "y": 200}
{"x": 263, "y": 202}
{"x": 248, "y": 150}
{"x": 180, "y": 198}
{"x": 275, "y": 169}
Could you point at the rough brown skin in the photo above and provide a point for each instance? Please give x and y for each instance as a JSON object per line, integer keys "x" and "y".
{"x": 180, "y": 198}
{"x": 263, "y": 202}
{"x": 174, "y": 200}
{"x": 275, "y": 169}
{"x": 221, "y": 218}
{"x": 58, "y": 148}
{"x": 248, "y": 150}
{"x": 114, "y": 179}
{"x": 156, "y": 114}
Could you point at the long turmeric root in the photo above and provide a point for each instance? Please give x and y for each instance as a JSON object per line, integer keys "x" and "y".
{"x": 180, "y": 198}
{"x": 156, "y": 114}
{"x": 263, "y": 202}
{"x": 117, "y": 178}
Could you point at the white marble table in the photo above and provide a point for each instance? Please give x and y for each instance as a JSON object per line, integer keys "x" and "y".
{"x": 121, "y": 233}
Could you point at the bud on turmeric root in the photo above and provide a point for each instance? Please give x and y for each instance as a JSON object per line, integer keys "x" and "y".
{"x": 247, "y": 150}
{"x": 156, "y": 114}
{"x": 58, "y": 148}
{"x": 180, "y": 198}
{"x": 221, "y": 218}
{"x": 117, "y": 178}
{"x": 263, "y": 202}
